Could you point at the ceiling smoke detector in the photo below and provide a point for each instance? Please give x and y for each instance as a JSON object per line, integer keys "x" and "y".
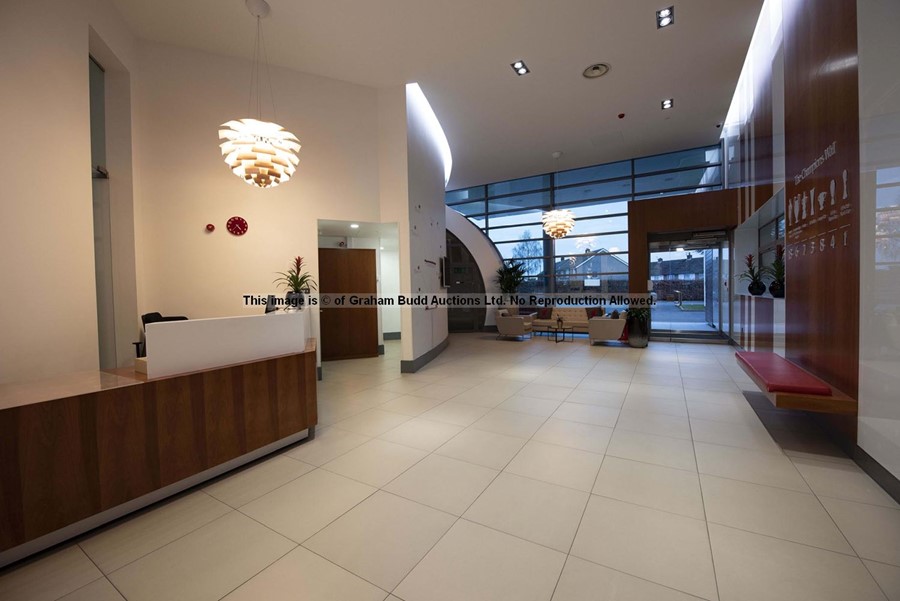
{"x": 596, "y": 70}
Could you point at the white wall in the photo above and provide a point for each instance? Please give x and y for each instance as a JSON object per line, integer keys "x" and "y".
{"x": 879, "y": 340}
{"x": 390, "y": 285}
{"x": 427, "y": 223}
{"x": 483, "y": 251}
{"x": 183, "y": 97}
{"x": 48, "y": 320}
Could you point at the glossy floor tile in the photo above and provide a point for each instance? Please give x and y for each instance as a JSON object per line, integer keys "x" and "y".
{"x": 513, "y": 471}
{"x": 208, "y": 563}
{"x": 543, "y": 513}
{"x": 750, "y": 567}
{"x": 382, "y": 538}
{"x": 476, "y": 563}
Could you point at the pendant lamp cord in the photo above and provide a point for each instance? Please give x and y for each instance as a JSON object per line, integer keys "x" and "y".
{"x": 260, "y": 54}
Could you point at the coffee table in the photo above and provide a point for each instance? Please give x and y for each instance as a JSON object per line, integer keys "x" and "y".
{"x": 557, "y": 330}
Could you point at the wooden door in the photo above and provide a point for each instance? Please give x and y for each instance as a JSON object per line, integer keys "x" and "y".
{"x": 347, "y": 333}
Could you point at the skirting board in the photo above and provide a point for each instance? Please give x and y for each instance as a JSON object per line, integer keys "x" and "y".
{"x": 63, "y": 534}
{"x": 391, "y": 335}
{"x": 878, "y": 473}
{"x": 411, "y": 367}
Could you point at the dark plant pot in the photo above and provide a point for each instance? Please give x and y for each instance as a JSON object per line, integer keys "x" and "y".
{"x": 295, "y": 300}
{"x": 776, "y": 289}
{"x": 756, "y": 288}
{"x": 638, "y": 332}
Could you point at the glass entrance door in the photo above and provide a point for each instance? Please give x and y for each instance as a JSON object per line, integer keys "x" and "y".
{"x": 689, "y": 276}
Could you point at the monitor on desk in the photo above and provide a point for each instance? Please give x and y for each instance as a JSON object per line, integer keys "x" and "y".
{"x": 271, "y": 304}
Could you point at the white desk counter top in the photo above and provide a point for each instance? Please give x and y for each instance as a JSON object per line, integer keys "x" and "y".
{"x": 176, "y": 347}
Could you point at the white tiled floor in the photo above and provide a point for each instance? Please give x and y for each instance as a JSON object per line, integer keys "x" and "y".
{"x": 514, "y": 470}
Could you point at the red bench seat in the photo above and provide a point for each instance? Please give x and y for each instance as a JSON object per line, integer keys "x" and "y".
{"x": 789, "y": 386}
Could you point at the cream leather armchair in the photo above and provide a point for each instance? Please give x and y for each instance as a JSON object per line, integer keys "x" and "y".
{"x": 513, "y": 326}
{"x": 605, "y": 328}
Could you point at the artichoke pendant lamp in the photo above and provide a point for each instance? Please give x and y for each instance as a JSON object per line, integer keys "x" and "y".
{"x": 262, "y": 153}
{"x": 559, "y": 222}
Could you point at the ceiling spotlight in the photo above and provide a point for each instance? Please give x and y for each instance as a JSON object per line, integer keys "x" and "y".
{"x": 680, "y": 249}
{"x": 596, "y": 70}
{"x": 354, "y": 226}
{"x": 665, "y": 17}
{"x": 667, "y": 103}
{"x": 520, "y": 67}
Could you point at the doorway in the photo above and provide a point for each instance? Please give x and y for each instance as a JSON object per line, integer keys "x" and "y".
{"x": 690, "y": 275}
{"x": 463, "y": 277}
{"x": 348, "y": 333}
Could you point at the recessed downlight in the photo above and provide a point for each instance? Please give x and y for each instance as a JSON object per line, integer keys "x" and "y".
{"x": 667, "y": 103}
{"x": 520, "y": 67}
{"x": 596, "y": 70}
{"x": 665, "y": 17}
{"x": 354, "y": 226}
{"x": 680, "y": 249}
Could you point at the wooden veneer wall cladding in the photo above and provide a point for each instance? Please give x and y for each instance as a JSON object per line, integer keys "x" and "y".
{"x": 822, "y": 112}
{"x": 68, "y": 459}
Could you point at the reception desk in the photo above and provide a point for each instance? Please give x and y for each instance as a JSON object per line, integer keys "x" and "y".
{"x": 83, "y": 449}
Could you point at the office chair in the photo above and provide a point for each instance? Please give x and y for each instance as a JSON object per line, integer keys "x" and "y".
{"x": 140, "y": 347}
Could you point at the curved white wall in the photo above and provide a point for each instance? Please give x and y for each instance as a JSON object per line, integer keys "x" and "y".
{"x": 483, "y": 251}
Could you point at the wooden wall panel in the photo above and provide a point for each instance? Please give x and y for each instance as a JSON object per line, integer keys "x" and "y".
{"x": 182, "y": 436}
{"x": 127, "y": 446}
{"x": 261, "y": 418}
{"x": 822, "y": 191}
{"x": 12, "y": 520}
{"x": 57, "y": 464}
{"x": 224, "y": 417}
{"x": 68, "y": 459}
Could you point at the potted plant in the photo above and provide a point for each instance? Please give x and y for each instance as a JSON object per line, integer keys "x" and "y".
{"x": 637, "y": 320}
{"x": 752, "y": 274}
{"x": 509, "y": 277}
{"x": 297, "y": 282}
{"x": 776, "y": 272}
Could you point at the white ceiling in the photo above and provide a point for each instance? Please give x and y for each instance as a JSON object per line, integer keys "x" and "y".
{"x": 500, "y": 125}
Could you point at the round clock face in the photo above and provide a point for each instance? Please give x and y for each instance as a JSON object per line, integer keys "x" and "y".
{"x": 237, "y": 226}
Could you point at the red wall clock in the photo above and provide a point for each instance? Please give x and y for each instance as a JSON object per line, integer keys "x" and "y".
{"x": 237, "y": 226}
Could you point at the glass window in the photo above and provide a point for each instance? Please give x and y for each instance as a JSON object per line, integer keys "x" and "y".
{"x": 517, "y": 218}
{"x": 507, "y": 203}
{"x": 679, "y": 160}
{"x": 526, "y": 184}
{"x": 520, "y": 249}
{"x": 470, "y": 208}
{"x": 600, "y": 225}
{"x": 522, "y": 232}
{"x": 599, "y": 209}
{"x": 676, "y": 192}
{"x": 888, "y": 196}
{"x": 620, "y": 187}
{"x": 597, "y": 172}
{"x": 573, "y": 245}
{"x": 464, "y": 194}
{"x": 693, "y": 178}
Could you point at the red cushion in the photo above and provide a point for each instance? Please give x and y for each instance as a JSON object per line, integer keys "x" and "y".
{"x": 545, "y": 313}
{"x": 780, "y": 375}
{"x": 594, "y": 312}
